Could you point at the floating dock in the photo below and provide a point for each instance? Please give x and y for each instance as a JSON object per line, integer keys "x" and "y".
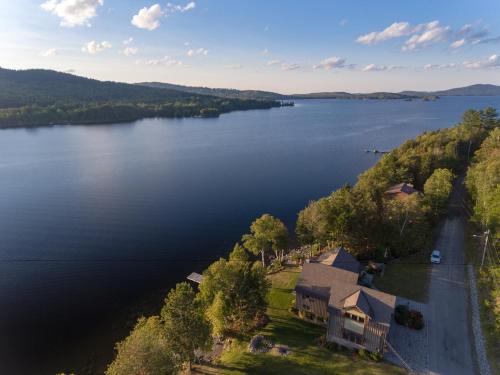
{"x": 195, "y": 277}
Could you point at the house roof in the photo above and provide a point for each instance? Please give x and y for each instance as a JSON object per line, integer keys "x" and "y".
{"x": 400, "y": 189}
{"x": 340, "y": 258}
{"x": 374, "y": 303}
{"x": 334, "y": 278}
{"x": 317, "y": 278}
{"x": 358, "y": 299}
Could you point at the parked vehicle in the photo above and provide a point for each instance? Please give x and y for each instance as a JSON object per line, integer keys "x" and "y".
{"x": 436, "y": 257}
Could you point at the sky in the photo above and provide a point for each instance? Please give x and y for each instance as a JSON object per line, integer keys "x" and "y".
{"x": 285, "y": 46}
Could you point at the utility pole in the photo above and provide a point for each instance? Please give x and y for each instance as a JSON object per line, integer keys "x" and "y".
{"x": 487, "y": 234}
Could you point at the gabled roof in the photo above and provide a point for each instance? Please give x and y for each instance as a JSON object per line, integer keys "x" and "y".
{"x": 334, "y": 278}
{"x": 402, "y": 189}
{"x": 340, "y": 258}
{"x": 358, "y": 299}
{"x": 317, "y": 279}
{"x": 378, "y": 305}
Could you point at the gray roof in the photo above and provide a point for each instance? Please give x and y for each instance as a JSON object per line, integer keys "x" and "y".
{"x": 399, "y": 189}
{"x": 340, "y": 258}
{"x": 316, "y": 278}
{"x": 333, "y": 279}
{"x": 195, "y": 277}
{"x": 378, "y": 305}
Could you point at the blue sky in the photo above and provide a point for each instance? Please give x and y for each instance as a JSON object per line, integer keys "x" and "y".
{"x": 286, "y": 46}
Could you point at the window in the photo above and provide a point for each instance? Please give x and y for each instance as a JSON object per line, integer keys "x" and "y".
{"x": 354, "y": 317}
{"x": 305, "y": 307}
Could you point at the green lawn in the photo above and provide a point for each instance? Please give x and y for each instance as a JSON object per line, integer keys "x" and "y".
{"x": 284, "y": 328}
{"x": 408, "y": 277}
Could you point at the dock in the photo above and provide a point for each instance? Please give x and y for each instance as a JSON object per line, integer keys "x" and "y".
{"x": 195, "y": 277}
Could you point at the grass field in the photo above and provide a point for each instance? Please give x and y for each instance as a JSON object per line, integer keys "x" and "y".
{"x": 284, "y": 328}
{"x": 408, "y": 277}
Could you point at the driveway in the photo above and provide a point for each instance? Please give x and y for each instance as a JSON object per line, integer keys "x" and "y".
{"x": 450, "y": 345}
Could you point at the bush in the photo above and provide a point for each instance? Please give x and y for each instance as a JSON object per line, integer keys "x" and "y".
{"x": 321, "y": 341}
{"x": 363, "y": 353}
{"x": 415, "y": 320}
{"x": 376, "y": 356}
{"x": 294, "y": 310}
{"x": 401, "y": 314}
{"x": 310, "y": 315}
{"x": 409, "y": 318}
{"x": 333, "y": 347}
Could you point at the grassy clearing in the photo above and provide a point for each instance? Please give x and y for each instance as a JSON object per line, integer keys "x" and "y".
{"x": 284, "y": 328}
{"x": 488, "y": 295}
{"x": 408, "y": 277}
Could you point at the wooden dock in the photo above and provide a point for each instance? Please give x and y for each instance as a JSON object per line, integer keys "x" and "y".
{"x": 195, "y": 277}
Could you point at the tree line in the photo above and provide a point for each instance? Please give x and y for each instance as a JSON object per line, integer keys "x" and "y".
{"x": 111, "y": 111}
{"x": 231, "y": 298}
{"x": 359, "y": 218}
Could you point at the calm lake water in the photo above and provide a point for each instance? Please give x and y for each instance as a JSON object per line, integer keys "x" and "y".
{"x": 96, "y": 219}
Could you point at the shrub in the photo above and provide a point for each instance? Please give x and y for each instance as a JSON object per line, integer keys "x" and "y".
{"x": 331, "y": 346}
{"x": 409, "y": 318}
{"x": 415, "y": 320}
{"x": 376, "y": 356}
{"x": 320, "y": 341}
{"x": 294, "y": 310}
{"x": 363, "y": 353}
{"x": 310, "y": 315}
{"x": 401, "y": 314}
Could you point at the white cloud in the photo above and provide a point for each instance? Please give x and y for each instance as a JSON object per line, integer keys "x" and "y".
{"x": 148, "y": 18}
{"x": 491, "y": 62}
{"x": 273, "y": 62}
{"x": 343, "y": 22}
{"x": 457, "y": 43}
{"x": 186, "y": 44}
{"x": 265, "y": 51}
{"x": 331, "y": 63}
{"x": 94, "y": 47}
{"x": 173, "y": 8}
{"x": 425, "y": 34}
{"x": 48, "y": 53}
{"x": 164, "y": 61}
{"x": 395, "y": 30}
{"x": 439, "y": 66}
{"x": 130, "y": 51}
{"x": 73, "y": 12}
{"x": 195, "y": 52}
{"x": 379, "y": 68}
{"x": 126, "y": 42}
{"x": 234, "y": 66}
{"x": 287, "y": 67}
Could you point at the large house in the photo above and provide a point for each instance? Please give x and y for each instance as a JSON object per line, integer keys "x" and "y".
{"x": 356, "y": 316}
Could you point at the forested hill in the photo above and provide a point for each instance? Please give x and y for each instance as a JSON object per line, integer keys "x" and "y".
{"x": 258, "y": 94}
{"x": 42, "y": 97}
{"x": 226, "y": 93}
{"x": 44, "y": 87}
{"x": 473, "y": 90}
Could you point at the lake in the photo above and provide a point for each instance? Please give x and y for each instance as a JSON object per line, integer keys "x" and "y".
{"x": 97, "y": 222}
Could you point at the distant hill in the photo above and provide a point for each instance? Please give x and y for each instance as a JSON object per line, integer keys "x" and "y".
{"x": 346, "y": 95}
{"x": 221, "y": 92}
{"x": 472, "y": 90}
{"x": 44, "y": 87}
{"x": 41, "y": 97}
{"x": 258, "y": 94}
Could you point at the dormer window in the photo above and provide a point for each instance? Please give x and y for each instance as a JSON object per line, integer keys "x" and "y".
{"x": 354, "y": 317}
